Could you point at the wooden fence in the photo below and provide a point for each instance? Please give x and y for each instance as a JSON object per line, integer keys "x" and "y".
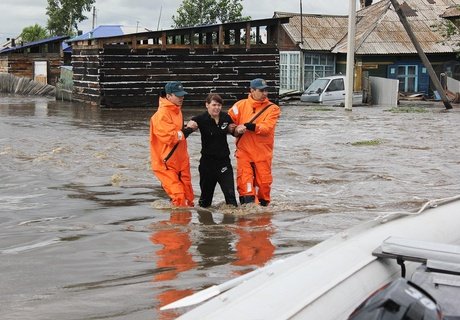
{"x": 24, "y": 86}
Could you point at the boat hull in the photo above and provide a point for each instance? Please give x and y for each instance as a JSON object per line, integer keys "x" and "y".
{"x": 329, "y": 280}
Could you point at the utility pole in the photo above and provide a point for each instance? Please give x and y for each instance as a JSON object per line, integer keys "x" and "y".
{"x": 350, "y": 71}
{"x": 301, "y": 85}
{"x": 94, "y": 17}
{"x": 301, "y": 23}
{"x": 159, "y": 18}
{"x": 423, "y": 57}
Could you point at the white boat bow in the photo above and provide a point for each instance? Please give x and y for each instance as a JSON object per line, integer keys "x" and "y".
{"x": 329, "y": 280}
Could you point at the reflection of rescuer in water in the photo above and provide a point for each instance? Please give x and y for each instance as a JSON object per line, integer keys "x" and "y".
{"x": 254, "y": 246}
{"x": 174, "y": 257}
{"x": 256, "y": 119}
{"x": 176, "y": 243}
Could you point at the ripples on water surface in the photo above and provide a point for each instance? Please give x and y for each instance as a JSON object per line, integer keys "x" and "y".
{"x": 86, "y": 232}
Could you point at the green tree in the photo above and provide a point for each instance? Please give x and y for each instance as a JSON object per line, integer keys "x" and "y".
{"x": 64, "y": 15}
{"x": 450, "y": 30}
{"x": 202, "y": 12}
{"x": 230, "y": 11}
{"x": 33, "y": 33}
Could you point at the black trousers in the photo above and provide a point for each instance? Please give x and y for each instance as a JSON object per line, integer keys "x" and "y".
{"x": 213, "y": 171}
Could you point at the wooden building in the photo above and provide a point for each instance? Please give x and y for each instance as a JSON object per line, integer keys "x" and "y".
{"x": 131, "y": 70}
{"x": 38, "y": 60}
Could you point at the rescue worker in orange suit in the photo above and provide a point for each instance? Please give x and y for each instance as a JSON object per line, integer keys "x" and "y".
{"x": 168, "y": 148}
{"x": 256, "y": 118}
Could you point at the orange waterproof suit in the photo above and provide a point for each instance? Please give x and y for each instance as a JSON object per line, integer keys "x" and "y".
{"x": 168, "y": 153}
{"x": 254, "y": 149}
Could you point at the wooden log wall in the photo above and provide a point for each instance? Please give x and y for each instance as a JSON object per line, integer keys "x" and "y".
{"x": 119, "y": 76}
{"x": 22, "y": 65}
{"x": 85, "y": 67}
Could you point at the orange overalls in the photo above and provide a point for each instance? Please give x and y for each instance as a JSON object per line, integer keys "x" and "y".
{"x": 168, "y": 153}
{"x": 254, "y": 149}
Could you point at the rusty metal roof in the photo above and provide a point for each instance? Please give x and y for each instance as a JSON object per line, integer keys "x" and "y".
{"x": 319, "y": 32}
{"x": 451, "y": 12}
{"x": 379, "y": 31}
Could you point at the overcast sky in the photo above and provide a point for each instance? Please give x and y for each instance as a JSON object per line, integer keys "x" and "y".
{"x": 17, "y": 14}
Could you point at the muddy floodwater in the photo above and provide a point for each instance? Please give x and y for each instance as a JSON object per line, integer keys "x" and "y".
{"x": 86, "y": 231}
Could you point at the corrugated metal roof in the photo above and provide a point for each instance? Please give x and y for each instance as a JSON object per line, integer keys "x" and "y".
{"x": 451, "y": 12}
{"x": 320, "y": 32}
{"x": 379, "y": 30}
{"x": 35, "y": 43}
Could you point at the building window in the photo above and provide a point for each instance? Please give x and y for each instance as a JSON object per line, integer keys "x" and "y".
{"x": 408, "y": 78}
{"x": 412, "y": 76}
{"x": 289, "y": 70}
{"x": 318, "y": 65}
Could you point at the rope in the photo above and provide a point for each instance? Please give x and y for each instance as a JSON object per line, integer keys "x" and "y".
{"x": 429, "y": 204}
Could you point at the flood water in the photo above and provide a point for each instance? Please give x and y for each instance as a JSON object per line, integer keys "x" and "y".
{"x": 86, "y": 233}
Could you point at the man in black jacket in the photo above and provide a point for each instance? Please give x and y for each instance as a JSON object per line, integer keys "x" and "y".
{"x": 215, "y": 166}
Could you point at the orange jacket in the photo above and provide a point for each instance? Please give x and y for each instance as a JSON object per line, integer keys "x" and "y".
{"x": 256, "y": 145}
{"x": 165, "y": 132}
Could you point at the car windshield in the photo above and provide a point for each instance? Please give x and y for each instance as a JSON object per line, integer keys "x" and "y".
{"x": 317, "y": 84}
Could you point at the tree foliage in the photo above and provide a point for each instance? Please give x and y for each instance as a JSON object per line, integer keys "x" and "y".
{"x": 450, "y": 31}
{"x": 34, "y": 33}
{"x": 203, "y": 12}
{"x": 64, "y": 15}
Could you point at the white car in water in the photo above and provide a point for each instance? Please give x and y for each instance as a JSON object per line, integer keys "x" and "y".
{"x": 329, "y": 90}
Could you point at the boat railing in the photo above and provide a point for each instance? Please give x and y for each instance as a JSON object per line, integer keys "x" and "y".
{"x": 436, "y": 256}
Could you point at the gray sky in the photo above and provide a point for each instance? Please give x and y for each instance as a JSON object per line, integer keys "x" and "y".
{"x": 17, "y": 14}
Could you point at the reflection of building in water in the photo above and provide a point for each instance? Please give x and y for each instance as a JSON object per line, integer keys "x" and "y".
{"x": 254, "y": 246}
{"x": 174, "y": 257}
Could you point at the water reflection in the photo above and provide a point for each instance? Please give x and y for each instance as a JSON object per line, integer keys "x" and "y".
{"x": 167, "y": 297}
{"x": 109, "y": 195}
{"x": 176, "y": 243}
{"x": 254, "y": 247}
{"x": 242, "y": 241}
{"x": 215, "y": 242}
{"x": 174, "y": 256}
